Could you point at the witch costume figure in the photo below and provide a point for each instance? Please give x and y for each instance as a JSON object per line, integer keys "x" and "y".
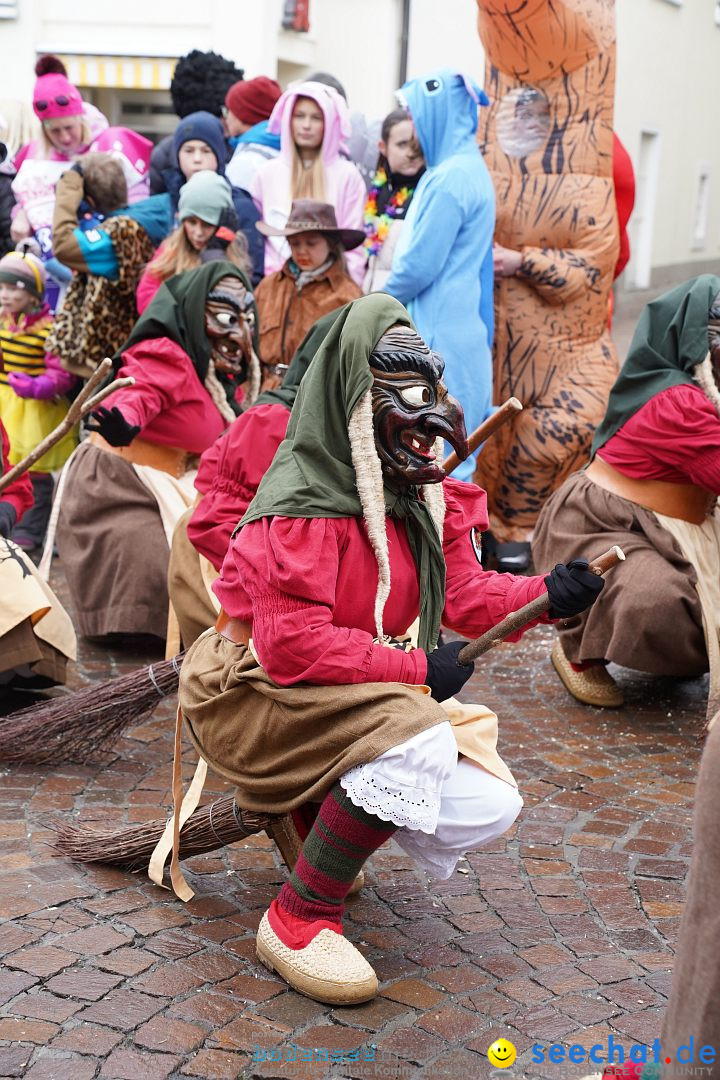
{"x": 192, "y": 357}
{"x": 299, "y": 697}
{"x": 651, "y": 487}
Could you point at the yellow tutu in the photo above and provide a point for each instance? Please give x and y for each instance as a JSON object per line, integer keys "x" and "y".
{"x": 28, "y": 421}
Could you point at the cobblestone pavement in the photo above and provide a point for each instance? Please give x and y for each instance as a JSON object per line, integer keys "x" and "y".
{"x": 562, "y": 931}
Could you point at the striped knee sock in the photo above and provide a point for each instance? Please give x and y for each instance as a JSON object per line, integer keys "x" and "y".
{"x": 341, "y": 840}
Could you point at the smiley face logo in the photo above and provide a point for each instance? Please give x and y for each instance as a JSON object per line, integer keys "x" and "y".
{"x": 502, "y": 1053}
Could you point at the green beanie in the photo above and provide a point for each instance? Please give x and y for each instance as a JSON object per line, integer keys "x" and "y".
{"x": 205, "y": 195}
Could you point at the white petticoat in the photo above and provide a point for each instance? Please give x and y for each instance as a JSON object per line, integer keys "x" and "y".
{"x": 443, "y": 807}
{"x": 403, "y": 785}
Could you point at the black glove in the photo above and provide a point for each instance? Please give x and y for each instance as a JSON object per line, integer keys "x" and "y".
{"x": 445, "y": 676}
{"x": 572, "y": 588}
{"x": 8, "y": 517}
{"x": 112, "y": 425}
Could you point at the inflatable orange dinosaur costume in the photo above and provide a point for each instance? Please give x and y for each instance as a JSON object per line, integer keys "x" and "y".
{"x": 548, "y": 143}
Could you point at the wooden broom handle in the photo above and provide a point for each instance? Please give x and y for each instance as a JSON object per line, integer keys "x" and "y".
{"x": 84, "y": 403}
{"x": 501, "y": 415}
{"x": 516, "y": 620}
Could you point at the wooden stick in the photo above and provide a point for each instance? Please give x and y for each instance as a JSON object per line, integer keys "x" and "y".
{"x": 501, "y": 415}
{"x": 83, "y": 404}
{"x": 516, "y": 620}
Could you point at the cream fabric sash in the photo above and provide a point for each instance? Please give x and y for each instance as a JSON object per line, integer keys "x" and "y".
{"x": 172, "y": 495}
{"x": 700, "y": 545}
{"x": 25, "y": 595}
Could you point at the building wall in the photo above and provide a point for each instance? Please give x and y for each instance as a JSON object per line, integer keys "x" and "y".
{"x": 668, "y": 83}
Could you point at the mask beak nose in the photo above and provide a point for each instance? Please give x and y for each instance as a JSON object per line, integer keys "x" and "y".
{"x": 452, "y": 425}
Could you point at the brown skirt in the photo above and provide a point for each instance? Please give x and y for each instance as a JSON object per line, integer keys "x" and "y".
{"x": 21, "y": 646}
{"x": 186, "y": 585}
{"x": 113, "y": 548}
{"x": 285, "y": 745}
{"x": 694, "y": 1007}
{"x": 648, "y": 616}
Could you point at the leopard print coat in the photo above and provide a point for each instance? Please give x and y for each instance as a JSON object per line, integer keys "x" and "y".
{"x": 99, "y": 313}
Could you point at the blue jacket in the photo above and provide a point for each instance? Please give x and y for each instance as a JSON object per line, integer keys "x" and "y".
{"x": 442, "y": 270}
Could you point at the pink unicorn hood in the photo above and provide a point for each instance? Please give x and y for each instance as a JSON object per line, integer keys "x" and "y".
{"x": 129, "y": 148}
{"x": 334, "y": 109}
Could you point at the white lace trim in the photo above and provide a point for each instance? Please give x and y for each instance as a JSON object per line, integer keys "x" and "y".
{"x": 406, "y": 807}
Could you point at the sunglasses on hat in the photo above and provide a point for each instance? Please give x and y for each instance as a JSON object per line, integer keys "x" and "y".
{"x": 61, "y": 99}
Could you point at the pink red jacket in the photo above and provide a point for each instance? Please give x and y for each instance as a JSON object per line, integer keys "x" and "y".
{"x": 168, "y": 401}
{"x": 344, "y": 186}
{"x": 675, "y": 436}
{"x": 229, "y": 474}
{"x": 307, "y": 585}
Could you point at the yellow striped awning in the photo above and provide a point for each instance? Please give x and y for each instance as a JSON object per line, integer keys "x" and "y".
{"x": 120, "y": 72}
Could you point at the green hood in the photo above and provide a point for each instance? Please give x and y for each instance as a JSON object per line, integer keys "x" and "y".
{"x": 670, "y": 339}
{"x": 177, "y": 311}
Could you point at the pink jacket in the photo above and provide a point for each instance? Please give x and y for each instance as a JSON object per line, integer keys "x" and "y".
{"x": 344, "y": 186}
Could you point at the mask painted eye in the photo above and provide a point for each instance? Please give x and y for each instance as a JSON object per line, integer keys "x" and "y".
{"x": 432, "y": 85}
{"x": 226, "y": 319}
{"x": 417, "y": 396}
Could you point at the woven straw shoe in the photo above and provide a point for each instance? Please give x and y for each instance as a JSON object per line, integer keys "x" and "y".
{"x": 593, "y": 686}
{"x": 330, "y": 969}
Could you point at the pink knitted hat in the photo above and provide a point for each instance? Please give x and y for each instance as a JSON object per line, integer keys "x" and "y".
{"x": 54, "y": 95}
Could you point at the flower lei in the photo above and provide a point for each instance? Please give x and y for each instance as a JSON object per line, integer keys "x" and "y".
{"x": 377, "y": 225}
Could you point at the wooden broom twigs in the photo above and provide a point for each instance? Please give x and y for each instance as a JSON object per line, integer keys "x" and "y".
{"x": 502, "y": 414}
{"x": 208, "y": 828}
{"x": 84, "y": 403}
{"x": 73, "y": 727}
{"x": 516, "y": 620}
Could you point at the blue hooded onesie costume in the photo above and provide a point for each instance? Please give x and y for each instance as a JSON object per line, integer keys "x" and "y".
{"x": 443, "y": 268}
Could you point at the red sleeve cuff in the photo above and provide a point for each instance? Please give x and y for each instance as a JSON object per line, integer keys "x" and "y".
{"x": 394, "y": 665}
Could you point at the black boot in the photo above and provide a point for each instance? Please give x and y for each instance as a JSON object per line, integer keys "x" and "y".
{"x": 30, "y": 533}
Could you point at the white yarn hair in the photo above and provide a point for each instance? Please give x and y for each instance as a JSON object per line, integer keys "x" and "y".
{"x": 369, "y": 480}
{"x": 705, "y": 378}
{"x": 217, "y": 392}
{"x": 434, "y": 495}
{"x": 370, "y": 485}
{"x": 255, "y": 374}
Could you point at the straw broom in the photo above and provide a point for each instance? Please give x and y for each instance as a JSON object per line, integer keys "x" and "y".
{"x": 208, "y": 828}
{"x": 72, "y": 727}
{"x": 211, "y": 827}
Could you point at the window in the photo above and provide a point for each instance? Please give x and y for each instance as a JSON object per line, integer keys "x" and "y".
{"x": 296, "y": 15}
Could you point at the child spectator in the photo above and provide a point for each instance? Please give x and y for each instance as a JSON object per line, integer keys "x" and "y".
{"x": 314, "y": 124}
{"x": 205, "y": 202}
{"x": 32, "y": 385}
{"x": 399, "y": 168}
{"x": 200, "y": 145}
{"x": 311, "y": 283}
{"x": 107, "y": 243}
